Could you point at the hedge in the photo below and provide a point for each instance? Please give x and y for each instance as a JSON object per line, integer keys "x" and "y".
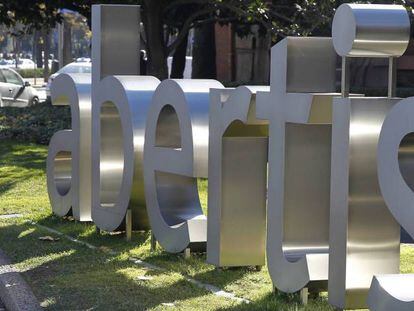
{"x": 35, "y": 124}
{"x": 30, "y": 73}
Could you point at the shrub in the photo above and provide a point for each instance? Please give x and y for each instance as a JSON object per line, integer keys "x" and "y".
{"x": 35, "y": 124}
{"x": 30, "y": 73}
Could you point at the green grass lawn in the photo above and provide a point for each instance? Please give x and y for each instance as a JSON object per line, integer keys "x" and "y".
{"x": 69, "y": 276}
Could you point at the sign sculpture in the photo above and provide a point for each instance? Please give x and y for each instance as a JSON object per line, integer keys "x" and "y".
{"x": 236, "y": 179}
{"x": 120, "y": 100}
{"x": 175, "y": 155}
{"x": 362, "y": 229}
{"x": 339, "y": 168}
{"x": 69, "y": 157}
{"x": 299, "y": 157}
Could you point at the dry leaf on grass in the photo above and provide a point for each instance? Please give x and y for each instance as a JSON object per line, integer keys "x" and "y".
{"x": 144, "y": 278}
{"x": 48, "y": 238}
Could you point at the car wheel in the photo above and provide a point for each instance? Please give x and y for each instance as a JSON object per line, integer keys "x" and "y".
{"x": 34, "y": 101}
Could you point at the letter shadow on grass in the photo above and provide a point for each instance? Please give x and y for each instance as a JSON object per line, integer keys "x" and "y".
{"x": 139, "y": 247}
{"x": 64, "y": 275}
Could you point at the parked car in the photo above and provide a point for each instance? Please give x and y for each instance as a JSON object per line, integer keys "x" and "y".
{"x": 75, "y": 67}
{"x": 83, "y": 60}
{"x": 6, "y": 63}
{"x": 24, "y": 63}
{"x": 15, "y": 91}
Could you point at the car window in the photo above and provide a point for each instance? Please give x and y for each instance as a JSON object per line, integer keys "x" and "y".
{"x": 2, "y": 78}
{"x": 68, "y": 69}
{"x": 12, "y": 78}
{"x": 86, "y": 69}
{"x": 75, "y": 69}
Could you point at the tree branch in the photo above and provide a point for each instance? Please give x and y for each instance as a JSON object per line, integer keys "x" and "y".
{"x": 186, "y": 27}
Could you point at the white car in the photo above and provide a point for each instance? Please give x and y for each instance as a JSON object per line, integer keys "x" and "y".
{"x": 75, "y": 67}
{"x": 24, "y": 63}
{"x": 14, "y": 91}
{"x": 6, "y": 63}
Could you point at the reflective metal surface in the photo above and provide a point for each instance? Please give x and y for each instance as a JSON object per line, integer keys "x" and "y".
{"x": 115, "y": 41}
{"x": 396, "y": 163}
{"x": 299, "y": 161}
{"x": 119, "y": 117}
{"x": 392, "y": 292}
{"x": 69, "y": 155}
{"x": 119, "y": 108}
{"x": 370, "y": 30}
{"x": 364, "y": 237}
{"x": 395, "y": 176}
{"x": 175, "y": 155}
{"x": 237, "y": 179}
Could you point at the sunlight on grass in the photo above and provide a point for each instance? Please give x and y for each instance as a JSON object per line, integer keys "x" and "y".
{"x": 202, "y": 184}
{"x": 34, "y": 262}
{"x": 25, "y": 233}
{"x": 66, "y": 275}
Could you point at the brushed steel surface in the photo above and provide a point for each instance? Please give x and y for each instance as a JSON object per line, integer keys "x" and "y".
{"x": 396, "y": 162}
{"x": 236, "y": 228}
{"x": 175, "y": 155}
{"x": 115, "y": 41}
{"x": 370, "y": 30}
{"x": 69, "y": 154}
{"x": 120, "y": 101}
{"x": 364, "y": 237}
{"x": 395, "y": 176}
{"x": 119, "y": 118}
{"x": 392, "y": 292}
{"x": 298, "y": 108}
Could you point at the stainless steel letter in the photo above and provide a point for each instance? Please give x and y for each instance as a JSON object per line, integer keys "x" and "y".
{"x": 69, "y": 155}
{"x": 120, "y": 102}
{"x": 364, "y": 237}
{"x": 237, "y": 179}
{"x": 118, "y": 125}
{"x": 395, "y": 176}
{"x": 299, "y": 161}
{"x": 175, "y": 154}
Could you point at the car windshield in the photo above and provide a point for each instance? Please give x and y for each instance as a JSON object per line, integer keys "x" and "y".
{"x": 75, "y": 69}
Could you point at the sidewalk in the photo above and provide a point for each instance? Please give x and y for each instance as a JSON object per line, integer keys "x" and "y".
{"x": 14, "y": 291}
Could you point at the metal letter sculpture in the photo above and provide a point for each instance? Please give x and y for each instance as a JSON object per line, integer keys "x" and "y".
{"x": 334, "y": 164}
{"x": 69, "y": 155}
{"x": 237, "y": 179}
{"x": 175, "y": 155}
{"x": 119, "y": 116}
{"x": 120, "y": 103}
{"x": 395, "y": 175}
{"x": 364, "y": 237}
{"x": 299, "y": 161}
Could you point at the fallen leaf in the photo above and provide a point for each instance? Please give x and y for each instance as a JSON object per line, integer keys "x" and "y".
{"x": 48, "y": 238}
{"x": 144, "y": 278}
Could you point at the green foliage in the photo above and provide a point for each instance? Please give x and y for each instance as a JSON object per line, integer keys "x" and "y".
{"x": 68, "y": 276}
{"x": 30, "y": 73}
{"x": 34, "y": 124}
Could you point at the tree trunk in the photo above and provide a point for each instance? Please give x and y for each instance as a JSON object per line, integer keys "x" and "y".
{"x": 39, "y": 50}
{"x": 46, "y": 42}
{"x": 178, "y": 61}
{"x": 204, "y": 52}
{"x": 154, "y": 30}
{"x": 16, "y": 51}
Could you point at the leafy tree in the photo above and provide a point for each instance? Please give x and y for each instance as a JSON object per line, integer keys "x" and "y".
{"x": 165, "y": 19}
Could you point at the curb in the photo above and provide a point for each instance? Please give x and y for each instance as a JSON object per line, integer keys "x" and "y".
{"x": 15, "y": 293}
